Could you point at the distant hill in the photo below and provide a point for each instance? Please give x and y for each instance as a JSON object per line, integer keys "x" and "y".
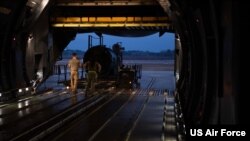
{"x": 130, "y": 55}
{"x": 146, "y": 55}
{"x": 67, "y": 53}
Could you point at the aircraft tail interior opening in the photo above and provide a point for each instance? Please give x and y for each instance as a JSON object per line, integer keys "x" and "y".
{"x": 193, "y": 89}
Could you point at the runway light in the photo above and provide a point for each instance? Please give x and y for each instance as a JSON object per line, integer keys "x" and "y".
{"x": 0, "y": 94}
{"x": 20, "y": 90}
{"x": 26, "y": 103}
{"x": 67, "y": 87}
{"x": 26, "y": 89}
{"x": 20, "y": 105}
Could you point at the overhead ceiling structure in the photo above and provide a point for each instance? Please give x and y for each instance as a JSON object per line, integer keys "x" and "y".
{"x": 6, "y": 9}
{"x": 137, "y": 17}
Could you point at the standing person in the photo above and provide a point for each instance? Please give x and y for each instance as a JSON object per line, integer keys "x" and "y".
{"x": 92, "y": 67}
{"x": 74, "y": 64}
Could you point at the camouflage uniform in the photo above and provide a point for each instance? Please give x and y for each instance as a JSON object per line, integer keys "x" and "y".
{"x": 92, "y": 75}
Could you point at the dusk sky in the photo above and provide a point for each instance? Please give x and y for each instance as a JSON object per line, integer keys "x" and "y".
{"x": 152, "y": 43}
